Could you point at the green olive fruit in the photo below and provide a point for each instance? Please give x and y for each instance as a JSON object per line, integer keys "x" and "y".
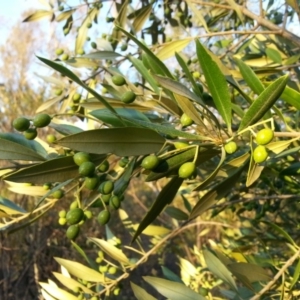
{"x": 30, "y": 134}
{"x": 104, "y": 90}
{"x": 41, "y": 120}
{"x": 106, "y": 198}
{"x": 65, "y": 56}
{"x": 47, "y": 186}
{"x": 123, "y": 162}
{"x": 260, "y": 154}
{"x": 186, "y": 170}
{"x": 117, "y": 291}
{"x": 51, "y": 138}
{"x": 74, "y": 204}
{"x": 103, "y": 217}
{"x": 61, "y": 8}
{"x": 99, "y": 260}
{"x": 264, "y": 136}
{"x": 203, "y": 291}
{"x": 104, "y": 166}
{"x": 196, "y": 75}
{"x": 93, "y": 45}
{"x": 112, "y": 270}
{"x": 81, "y": 157}
{"x": 106, "y": 187}
{"x": 76, "y": 97}
{"x": 89, "y": 25}
{"x": 74, "y": 216}
{"x": 91, "y": 182}
{"x": 58, "y": 92}
{"x": 150, "y": 162}
{"x": 118, "y": 80}
{"x": 128, "y": 97}
{"x": 59, "y": 52}
{"x": 185, "y": 120}
{"x": 72, "y": 232}
{"x": 114, "y": 202}
{"x": 62, "y": 214}
{"x": 80, "y": 51}
{"x": 21, "y": 124}
{"x": 62, "y": 221}
{"x": 87, "y": 168}
{"x": 88, "y": 214}
{"x": 58, "y": 194}
{"x": 230, "y": 147}
{"x": 103, "y": 269}
{"x": 124, "y": 47}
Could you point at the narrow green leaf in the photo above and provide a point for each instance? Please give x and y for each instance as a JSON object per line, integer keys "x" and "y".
{"x": 65, "y": 129}
{"x": 218, "y": 268}
{"x": 10, "y": 207}
{"x": 54, "y": 170}
{"x": 83, "y": 29}
{"x": 176, "y": 213}
{"x": 38, "y": 15}
{"x": 71, "y": 283}
{"x": 107, "y": 117}
{"x": 168, "y": 130}
{"x": 252, "y": 272}
{"x": 254, "y": 172}
{"x": 102, "y": 55}
{"x": 168, "y": 274}
{"x": 49, "y": 103}
{"x": 173, "y": 290}
{"x": 169, "y": 49}
{"x": 141, "y": 18}
{"x": 178, "y": 88}
{"x": 114, "y": 252}
{"x": 164, "y": 198}
{"x": 124, "y": 141}
{"x": 296, "y": 276}
{"x": 65, "y": 15}
{"x": 219, "y": 191}
{"x": 16, "y": 147}
{"x": 81, "y": 271}
{"x": 274, "y": 55}
{"x": 90, "y": 261}
{"x": 140, "y": 293}
{"x": 152, "y": 56}
{"x": 216, "y": 83}
{"x": 138, "y": 64}
{"x": 187, "y": 72}
{"x": 57, "y": 292}
{"x": 282, "y": 232}
{"x": 291, "y": 96}
{"x": 264, "y": 102}
{"x": 250, "y": 77}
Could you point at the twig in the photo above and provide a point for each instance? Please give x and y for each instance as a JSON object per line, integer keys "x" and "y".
{"x": 277, "y": 276}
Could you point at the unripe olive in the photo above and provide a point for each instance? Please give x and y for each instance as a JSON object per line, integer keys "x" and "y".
{"x": 62, "y": 221}
{"x": 51, "y": 138}
{"x": 118, "y": 80}
{"x": 87, "y": 168}
{"x": 230, "y": 147}
{"x": 21, "y": 124}
{"x": 114, "y": 202}
{"x": 91, "y": 182}
{"x": 106, "y": 187}
{"x": 41, "y": 120}
{"x": 72, "y": 232}
{"x": 112, "y": 270}
{"x": 65, "y": 56}
{"x": 128, "y": 97}
{"x": 186, "y": 170}
{"x": 185, "y": 120}
{"x": 103, "y": 217}
{"x": 104, "y": 166}
{"x": 62, "y": 214}
{"x": 260, "y": 154}
{"x": 81, "y": 157}
{"x": 74, "y": 216}
{"x": 59, "y": 51}
{"x": 30, "y": 134}
{"x": 150, "y": 162}
{"x": 264, "y": 136}
{"x": 58, "y": 194}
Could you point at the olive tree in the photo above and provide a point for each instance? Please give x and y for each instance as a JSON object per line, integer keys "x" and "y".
{"x": 199, "y": 102}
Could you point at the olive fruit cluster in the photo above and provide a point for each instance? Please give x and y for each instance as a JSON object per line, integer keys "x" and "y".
{"x": 23, "y": 124}
{"x": 263, "y": 137}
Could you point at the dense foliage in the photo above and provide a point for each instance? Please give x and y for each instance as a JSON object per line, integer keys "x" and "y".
{"x": 197, "y": 104}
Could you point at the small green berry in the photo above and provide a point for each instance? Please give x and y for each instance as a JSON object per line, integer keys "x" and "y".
{"x": 41, "y": 120}
{"x": 21, "y": 124}
{"x": 186, "y": 170}
{"x": 87, "y": 169}
{"x": 30, "y": 134}
{"x": 185, "y": 120}
{"x": 59, "y": 52}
